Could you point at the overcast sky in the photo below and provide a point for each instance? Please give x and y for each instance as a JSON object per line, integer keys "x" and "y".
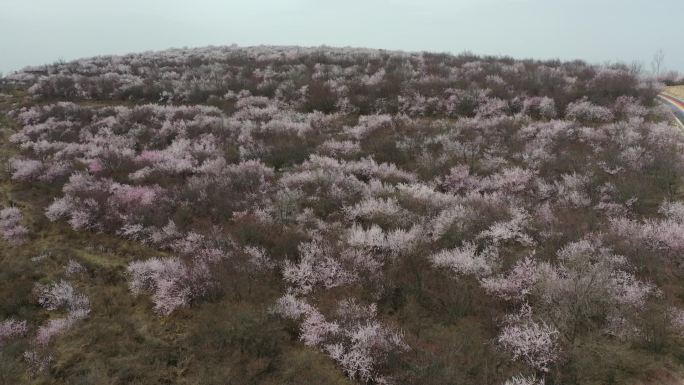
{"x": 41, "y": 31}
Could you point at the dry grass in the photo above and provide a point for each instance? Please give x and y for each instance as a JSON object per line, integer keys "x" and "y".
{"x": 677, "y": 91}
{"x": 662, "y": 377}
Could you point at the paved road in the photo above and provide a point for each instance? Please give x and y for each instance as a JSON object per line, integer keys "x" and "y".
{"x": 677, "y": 106}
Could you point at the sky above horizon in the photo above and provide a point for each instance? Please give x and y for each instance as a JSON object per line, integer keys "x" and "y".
{"x": 34, "y": 32}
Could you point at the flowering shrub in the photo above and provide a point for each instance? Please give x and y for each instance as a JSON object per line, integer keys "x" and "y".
{"x": 356, "y": 341}
{"x": 53, "y": 328}
{"x": 10, "y": 328}
{"x": 37, "y": 362}
{"x": 466, "y": 260}
{"x": 542, "y": 107}
{"x": 73, "y": 268}
{"x": 10, "y": 226}
{"x": 57, "y": 296}
{"x": 518, "y": 282}
{"x": 657, "y": 234}
{"x": 532, "y": 342}
{"x": 166, "y": 279}
{"x": 60, "y": 295}
{"x": 522, "y": 380}
{"x": 587, "y": 112}
{"x": 316, "y": 266}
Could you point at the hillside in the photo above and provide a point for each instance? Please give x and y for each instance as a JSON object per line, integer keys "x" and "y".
{"x": 288, "y": 215}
